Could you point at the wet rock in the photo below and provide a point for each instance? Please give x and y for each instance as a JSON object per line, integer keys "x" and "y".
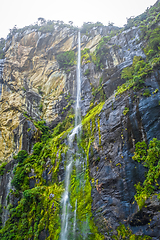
{"x": 116, "y": 173}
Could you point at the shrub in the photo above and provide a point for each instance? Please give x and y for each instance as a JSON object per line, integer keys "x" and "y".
{"x": 18, "y": 178}
{"x": 2, "y": 168}
{"x": 146, "y": 93}
{"x": 66, "y": 59}
{"x": 87, "y": 26}
{"x": 37, "y": 148}
{"x": 99, "y": 55}
{"x": 150, "y": 158}
{"x": 21, "y": 156}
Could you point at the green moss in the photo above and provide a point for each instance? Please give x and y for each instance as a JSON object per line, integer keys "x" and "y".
{"x": 81, "y": 183}
{"x": 135, "y": 74}
{"x": 87, "y": 72}
{"x": 100, "y": 80}
{"x": 147, "y": 93}
{"x": 126, "y": 110}
{"x": 155, "y": 91}
{"x": 99, "y": 131}
{"x": 92, "y": 113}
{"x": 2, "y": 168}
{"x": 37, "y": 210}
{"x": 85, "y": 55}
{"x": 126, "y": 233}
{"x": 150, "y": 158}
{"x": 82, "y": 194}
{"x": 23, "y": 89}
{"x": 68, "y": 96}
{"x": 40, "y": 107}
{"x": 40, "y": 90}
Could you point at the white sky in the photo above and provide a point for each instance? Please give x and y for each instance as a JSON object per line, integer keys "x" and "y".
{"x": 26, "y": 12}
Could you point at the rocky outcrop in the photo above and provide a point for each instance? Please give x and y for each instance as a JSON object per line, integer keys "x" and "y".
{"x": 115, "y": 174}
{"x": 34, "y": 87}
{"x": 33, "y": 83}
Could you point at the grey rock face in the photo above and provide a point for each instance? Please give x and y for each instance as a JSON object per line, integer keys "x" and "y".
{"x": 5, "y": 187}
{"x": 1, "y": 75}
{"x": 116, "y": 173}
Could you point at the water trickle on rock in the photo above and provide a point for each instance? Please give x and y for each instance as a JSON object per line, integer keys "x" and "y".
{"x": 1, "y": 73}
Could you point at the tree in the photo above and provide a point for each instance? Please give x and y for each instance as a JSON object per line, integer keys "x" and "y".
{"x": 71, "y": 23}
{"x": 110, "y": 24}
{"x": 41, "y": 20}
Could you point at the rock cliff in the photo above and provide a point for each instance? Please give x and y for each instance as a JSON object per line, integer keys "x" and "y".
{"x": 35, "y": 85}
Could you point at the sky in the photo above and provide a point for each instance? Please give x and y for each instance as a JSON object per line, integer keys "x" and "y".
{"x": 23, "y": 13}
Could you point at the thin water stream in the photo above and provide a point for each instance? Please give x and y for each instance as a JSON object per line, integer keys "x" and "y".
{"x": 1, "y": 73}
{"x": 66, "y": 206}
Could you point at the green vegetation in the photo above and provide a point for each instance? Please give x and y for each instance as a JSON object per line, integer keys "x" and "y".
{"x": 98, "y": 94}
{"x": 38, "y": 208}
{"x": 40, "y": 107}
{"x": 87, "y": 26}
{"x": 68, "y": 96}
{"x": 66, "y": 59}
{"x": 2, "y": 168}
{"x": 140, "y": 69}
{"x": 87, "y": 72}
{"x": 152, "y": 50}
{"x": 151, "y": 16}
{"x": 21, "y": 156}
{"x": 40, "y": 90}
{"x": 99, "y": 55}
{"x": 2, "y": 44}
{"x": 147, "y": 93}
{"x": 155, "y": 91}
{"x": 43, "y": 26}
{"x": 135, "y": 75}
{"x": 126, "y": 233}
{"x": 85, "y": 55}
{"x": 83, "y": 192}
{"x": 150, "y": 158}
{"x": 102, "y": 51}
{"x": 23, "y": 89}
{"x": 100, "y": 81}
{"x": 126, "y": 110}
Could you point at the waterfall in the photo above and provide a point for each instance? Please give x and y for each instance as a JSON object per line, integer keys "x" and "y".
{"x": 78, "y": 99}
{"x": 66, "y": 206}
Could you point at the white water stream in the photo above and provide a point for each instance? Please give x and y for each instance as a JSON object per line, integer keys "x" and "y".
{"x": 66, "y": 207}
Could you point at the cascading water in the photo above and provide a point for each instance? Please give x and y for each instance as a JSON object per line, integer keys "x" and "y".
{"x": 66, "y": 206}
